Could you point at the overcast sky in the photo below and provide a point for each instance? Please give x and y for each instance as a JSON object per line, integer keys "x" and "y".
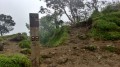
{"x": 19, "y": 10}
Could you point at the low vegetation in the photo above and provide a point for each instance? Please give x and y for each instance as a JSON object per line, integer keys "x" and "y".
{"x": 25, "y": 44}
{"x": 111, "y": 48}
{"x": 90, "y": 47}
{"x": 16, "y": 60}
{"x": 52, "y": 32}
{"x": 106, "y": 26}
{"x": 59, "y": 37}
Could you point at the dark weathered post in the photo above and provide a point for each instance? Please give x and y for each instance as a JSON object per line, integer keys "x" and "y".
{"x": 34, "y": 33}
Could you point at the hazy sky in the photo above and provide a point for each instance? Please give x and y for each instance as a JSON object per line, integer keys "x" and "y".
{"x": 19, "y": 10}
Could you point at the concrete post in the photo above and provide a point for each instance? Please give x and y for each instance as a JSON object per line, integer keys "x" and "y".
{"x": 34, "y": 33}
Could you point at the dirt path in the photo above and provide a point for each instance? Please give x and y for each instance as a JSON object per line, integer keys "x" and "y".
{"x": 11, "y": 48}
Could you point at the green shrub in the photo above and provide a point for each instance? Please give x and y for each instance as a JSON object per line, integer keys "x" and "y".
{"x": 116, "y": 14}
{"x": 112, "y": 17}
{"x": 114, "y": 35}
{"x": 26, "y": 51}
{"x": 105, "y": 26}
{"x": 97, "y": 34}
{"x": 104, "y": 35}
{"x": 24, "y": 34}
{"x": 59, "y": 37}
{"x": 16, "y": 60}
{"x": 25, "y": 44}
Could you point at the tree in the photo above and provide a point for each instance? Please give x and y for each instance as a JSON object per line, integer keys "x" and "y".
{"x": 74, "y": 6}
{"x": 96, "y": 4}
{"x": 28, "y": 26}
{"x": 6, "y": 24}
{"x": 47, "y": 28}
{"x": 79, "y": 10}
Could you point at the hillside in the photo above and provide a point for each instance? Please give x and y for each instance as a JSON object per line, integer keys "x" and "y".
{"x": 98, "y": 46}
{"x": 73, "y": 54}
{"x": 76, "y": 52}
{"x": 94, "y": 42}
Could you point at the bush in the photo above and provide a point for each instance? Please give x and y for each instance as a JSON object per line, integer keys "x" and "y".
{"x": 24, "y": 34}
{"x": 113, "y": 36}
{"x": 105, "y": 26}
{"x": 59, "y": 37}
{"x": 16, "y": 60}
{"x": 112, "y": 17}
{"x": 104, "y": 35}
{"x": 97, "y": 34}
{"x": 25, "y": 44}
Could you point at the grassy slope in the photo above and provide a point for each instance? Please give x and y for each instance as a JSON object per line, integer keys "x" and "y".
{"x": 106, "y": 26}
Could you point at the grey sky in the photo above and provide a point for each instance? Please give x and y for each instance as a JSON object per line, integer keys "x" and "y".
{"x": 19, "y": 10}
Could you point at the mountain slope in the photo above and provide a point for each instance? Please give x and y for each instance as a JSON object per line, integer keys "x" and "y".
{"x": 73, "y": 54}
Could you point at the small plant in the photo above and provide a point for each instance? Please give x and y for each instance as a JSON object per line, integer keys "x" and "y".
{"x": 110, "y": 48}
{"x": 90, "y": 47}
{"x": 25, "y": 44}
{"x": 26, "y": 51}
